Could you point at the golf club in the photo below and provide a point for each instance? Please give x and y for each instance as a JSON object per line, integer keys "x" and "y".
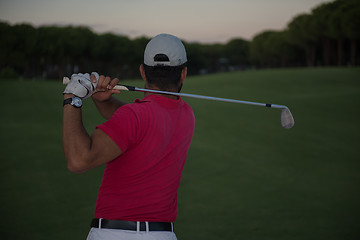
{"x": 287, "y": 120}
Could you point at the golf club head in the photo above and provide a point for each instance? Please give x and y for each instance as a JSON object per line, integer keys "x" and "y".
{"x": 287, "y": 120}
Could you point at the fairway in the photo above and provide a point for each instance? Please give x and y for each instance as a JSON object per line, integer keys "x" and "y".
{"x": 245, "y": 178}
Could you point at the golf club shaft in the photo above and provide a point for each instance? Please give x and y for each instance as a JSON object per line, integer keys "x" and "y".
{"x": 66, "y": 80}
{"x": 202, "y": 97}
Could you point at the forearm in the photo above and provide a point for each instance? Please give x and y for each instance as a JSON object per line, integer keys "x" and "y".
{"x": 108, "y": 107}
{"x": 83, "y": 152}
{"x": 76, "y": 141}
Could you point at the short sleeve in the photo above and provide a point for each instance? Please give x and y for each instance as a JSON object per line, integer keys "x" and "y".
{"x": 122, "y": 127}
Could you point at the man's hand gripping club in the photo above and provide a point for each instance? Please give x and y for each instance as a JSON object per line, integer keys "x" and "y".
{"x": 81, "y": 85}
{"x": 85, "y": 85}
{"x": 105, "y": 88}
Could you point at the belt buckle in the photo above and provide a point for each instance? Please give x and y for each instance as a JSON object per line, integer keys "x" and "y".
{"x": 100, "y": 220}
{"x": 140, "y": 226}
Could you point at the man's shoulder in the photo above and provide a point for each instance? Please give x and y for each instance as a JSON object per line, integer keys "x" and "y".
{"x": 133, "y": 109}
{"x": 140, "y": 106}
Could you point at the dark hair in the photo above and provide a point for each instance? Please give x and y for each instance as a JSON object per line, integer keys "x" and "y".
{"x": 164, "y": 77}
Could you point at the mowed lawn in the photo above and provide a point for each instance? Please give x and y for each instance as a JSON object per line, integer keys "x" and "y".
{"x": 245, "y": 178}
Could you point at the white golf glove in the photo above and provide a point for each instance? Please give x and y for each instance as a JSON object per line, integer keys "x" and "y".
{"x": 81, "y": 86}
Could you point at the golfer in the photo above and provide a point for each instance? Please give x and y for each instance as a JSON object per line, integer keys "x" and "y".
{"x": 143, "y": 144}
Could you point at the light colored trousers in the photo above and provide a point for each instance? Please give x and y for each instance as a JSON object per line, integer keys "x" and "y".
{"x": 114, "y": 234}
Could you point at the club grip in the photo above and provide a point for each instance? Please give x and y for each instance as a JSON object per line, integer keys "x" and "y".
{"x": 124, "y": 87}
{"x": 66, "y": 80}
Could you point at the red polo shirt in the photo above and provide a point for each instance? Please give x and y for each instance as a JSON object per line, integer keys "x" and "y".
{"x": 154, "y": 135}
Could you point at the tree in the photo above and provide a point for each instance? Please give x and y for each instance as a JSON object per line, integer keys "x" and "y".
{"x": 281, "y": 51}
{"x": 273, "y": 49}
{"x": 112, "y": 53}
{"x": 339, "y": 10}
{"x": 327, "y": 25}
{"x": 196, "y": 60}
{"x": 302, "y": 33}
{"x": 237, "y": 53}
{"x": 350, "y": 24}
{"x": 6, "y": 41}
{"x": 17, "y": 47}
{"x": 258, "y": 54}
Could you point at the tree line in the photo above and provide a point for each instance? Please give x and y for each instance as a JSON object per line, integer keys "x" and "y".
{"x": 328, "y": 36}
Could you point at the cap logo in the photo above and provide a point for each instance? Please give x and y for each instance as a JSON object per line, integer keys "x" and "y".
{"x": 161, "y": 58}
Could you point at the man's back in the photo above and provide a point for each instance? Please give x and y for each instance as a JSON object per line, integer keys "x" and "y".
{"x": 154, "y": 135}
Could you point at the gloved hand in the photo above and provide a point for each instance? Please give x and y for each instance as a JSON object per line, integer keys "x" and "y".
{"x": 81, "y": 86}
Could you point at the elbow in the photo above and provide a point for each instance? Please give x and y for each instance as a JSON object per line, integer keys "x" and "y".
{"x": 76, "y": 167}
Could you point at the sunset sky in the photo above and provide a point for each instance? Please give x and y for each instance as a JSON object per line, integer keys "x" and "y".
{"x": 206, "y": 21}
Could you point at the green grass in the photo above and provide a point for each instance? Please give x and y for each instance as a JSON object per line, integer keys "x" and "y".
{"x": 245, "y": 178}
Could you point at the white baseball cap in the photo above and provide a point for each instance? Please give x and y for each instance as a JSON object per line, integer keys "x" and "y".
{"x": 165, "y": 50}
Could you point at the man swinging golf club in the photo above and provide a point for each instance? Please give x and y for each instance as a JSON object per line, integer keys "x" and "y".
{"x": 143, "y": 144}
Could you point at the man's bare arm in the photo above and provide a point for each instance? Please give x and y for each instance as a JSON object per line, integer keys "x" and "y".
{"x": 83, "y": 152}
{"x": 108, "y": 107}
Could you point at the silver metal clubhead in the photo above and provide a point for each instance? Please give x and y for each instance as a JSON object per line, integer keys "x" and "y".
{"x": 287, "y": 120}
